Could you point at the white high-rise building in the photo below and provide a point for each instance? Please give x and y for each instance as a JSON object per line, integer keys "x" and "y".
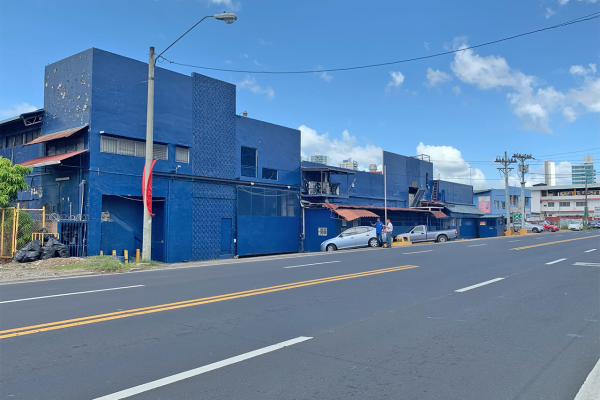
{"x": 318, "y": 158}
{"x": 349, "y": 164}
{"x": 549, "y": 173}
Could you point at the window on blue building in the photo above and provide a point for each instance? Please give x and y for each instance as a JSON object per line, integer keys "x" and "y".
{"x": 182, "y": 154}
{"x": 496, "y": 204}
{"x": 269, "y": 173}
{"x": 248, "y": 162}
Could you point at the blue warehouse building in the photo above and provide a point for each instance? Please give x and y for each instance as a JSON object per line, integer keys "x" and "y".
{"x": 493, "y": 201}
{"x": 219, "y": 180}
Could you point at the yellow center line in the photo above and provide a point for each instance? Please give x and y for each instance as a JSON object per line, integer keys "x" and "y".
{"x": 27, "y": 330}
{"x": 558, "y": 241}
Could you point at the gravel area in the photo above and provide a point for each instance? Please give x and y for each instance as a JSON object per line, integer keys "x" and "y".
{"x": 11, "y": 271}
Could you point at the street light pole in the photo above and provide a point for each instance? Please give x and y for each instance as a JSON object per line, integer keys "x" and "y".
{"x": 228, "y": 18}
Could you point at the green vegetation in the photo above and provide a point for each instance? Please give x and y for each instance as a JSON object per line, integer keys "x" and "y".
{"x": 12, "y": 181}
{"x": 107, "y": 264}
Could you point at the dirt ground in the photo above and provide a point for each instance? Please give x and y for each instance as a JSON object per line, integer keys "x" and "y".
{"x": 42, "y": 269}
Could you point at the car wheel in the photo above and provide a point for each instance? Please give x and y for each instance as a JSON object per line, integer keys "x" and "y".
{"x": 373, "y": 242}
{"x": 535, "y": 230}
{"x": 331, "y": 247}
{"x": 442, "y": 239}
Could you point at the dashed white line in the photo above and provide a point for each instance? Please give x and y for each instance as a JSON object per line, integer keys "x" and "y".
{"x": 306, "y": 265}
{"x": 589, "y": 251}
{"x": 555, "y": 261}
{"x": 415, "y": 252}
{"x": 69, "y": 294}
{"x": 198, "y": 371}
{"x": 475, "y": 245}
{"x": 510, "y": 241}
{"x": 478, "y": 285}
{"x": 585, "y": 264}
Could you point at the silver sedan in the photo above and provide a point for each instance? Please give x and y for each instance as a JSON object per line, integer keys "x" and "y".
{"x": 360, "y": 236}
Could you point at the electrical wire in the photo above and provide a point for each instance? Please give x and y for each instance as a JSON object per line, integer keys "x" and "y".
{"x": 574, "y": 21}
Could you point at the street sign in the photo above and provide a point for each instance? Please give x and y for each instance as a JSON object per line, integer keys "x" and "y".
{"x": 517, "y": 217}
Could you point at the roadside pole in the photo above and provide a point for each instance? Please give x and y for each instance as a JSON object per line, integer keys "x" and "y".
{"x": 147, "y": 231}
{"x": 506, "y": 161}
{"x": 385, "y": 194}
{"x": 585, "y": 210}
{"x": 523, "y": 169}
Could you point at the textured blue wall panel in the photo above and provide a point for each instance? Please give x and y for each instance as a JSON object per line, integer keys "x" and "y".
{"x": 214, "y": 128}
{"x": 211, "y": 202}
{"x": 315, "y": 219}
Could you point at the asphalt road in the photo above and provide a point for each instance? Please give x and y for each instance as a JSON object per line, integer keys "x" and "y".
{"x": 409, "y": 322}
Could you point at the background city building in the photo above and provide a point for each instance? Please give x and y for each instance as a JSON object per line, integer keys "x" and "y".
{"x": 580, "y": 173}
{"x": 549, "y": 173}
{"x": 349, "y": 164}
{"x": 318, "y": 158}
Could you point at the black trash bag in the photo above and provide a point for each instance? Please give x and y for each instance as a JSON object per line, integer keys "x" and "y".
{"x": 51, "y": 241}
{"x": 46, "y": 237}
{"x": 47, "y": 252}
{"x": 31, "y": 252}
{"x": 62, "y": 251}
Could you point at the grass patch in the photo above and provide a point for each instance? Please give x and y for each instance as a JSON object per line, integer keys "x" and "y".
{"x": 98, "y": 263}
{"x": 141, "y": 264}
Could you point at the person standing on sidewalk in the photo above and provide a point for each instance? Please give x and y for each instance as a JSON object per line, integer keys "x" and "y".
{"x": 390, "y": 230}
{"x": 378, "y": 228}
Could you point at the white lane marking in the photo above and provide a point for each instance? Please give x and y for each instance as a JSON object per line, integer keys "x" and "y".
{"x": 306, "y": 265}
{"x": 589, "y": 251}
{"x": 478, "y": 285}
{"x": 555, "y": 261}
{"x": 591, "y": 387}
{"x": 510, "y": 241}
{"x": 557, "y": 235}
{"x": 201, "y": 370}
{"x": 69, "y": 294}
{"x": 475, "y": 245}
{"x": 415, "y": 252}
{"x": 587, "y": 264}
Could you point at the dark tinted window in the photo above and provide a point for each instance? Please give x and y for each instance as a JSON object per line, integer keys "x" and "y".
{"x": 269, "y": 173}
{"x": 248, "y": 161}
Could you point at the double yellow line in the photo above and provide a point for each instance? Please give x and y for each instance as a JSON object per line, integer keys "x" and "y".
{"x": 549, "y": 243}
{"x": 50, "y": 326}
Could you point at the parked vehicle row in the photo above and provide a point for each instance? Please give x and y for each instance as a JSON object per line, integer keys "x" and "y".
{"x": 365, "y": 236}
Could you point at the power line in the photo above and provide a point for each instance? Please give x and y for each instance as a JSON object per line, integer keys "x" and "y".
{"x": 574, "y": 21}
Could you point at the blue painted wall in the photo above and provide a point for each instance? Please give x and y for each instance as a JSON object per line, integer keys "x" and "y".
{"x": 277, "y": 147}
{"x": 499, "y": 196}
{"x": 315, "y": 219}
{"x": 455, "y": 193}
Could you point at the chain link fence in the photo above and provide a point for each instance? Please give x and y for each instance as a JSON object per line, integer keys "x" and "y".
{"x": 17, "y": 227}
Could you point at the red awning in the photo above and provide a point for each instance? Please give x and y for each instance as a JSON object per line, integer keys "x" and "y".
{"x": 57, "y": 135}
{"x": 51, "y": 160}
{"x": 439, "y": 214}
{"x": 351, "y": 215}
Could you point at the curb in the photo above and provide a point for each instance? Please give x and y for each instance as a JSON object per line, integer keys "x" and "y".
{"x": 591, "y": 387}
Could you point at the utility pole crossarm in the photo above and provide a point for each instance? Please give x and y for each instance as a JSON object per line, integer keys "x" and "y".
{"x": 523, "y": 169}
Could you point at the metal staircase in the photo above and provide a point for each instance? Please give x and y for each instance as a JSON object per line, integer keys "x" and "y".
{"x": 417, "y": 200}
{"x": 434, "y": 192}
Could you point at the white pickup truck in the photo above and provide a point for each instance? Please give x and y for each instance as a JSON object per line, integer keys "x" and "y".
{"x": 420, "y": 234}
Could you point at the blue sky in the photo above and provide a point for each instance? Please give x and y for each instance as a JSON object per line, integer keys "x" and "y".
{"x": 539, "y": 94}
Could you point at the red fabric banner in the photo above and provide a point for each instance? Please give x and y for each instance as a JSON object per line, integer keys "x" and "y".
{"x": 147, "y": 192}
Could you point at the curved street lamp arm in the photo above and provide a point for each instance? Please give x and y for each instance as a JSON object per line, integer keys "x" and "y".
{"x": 163, "y": 52}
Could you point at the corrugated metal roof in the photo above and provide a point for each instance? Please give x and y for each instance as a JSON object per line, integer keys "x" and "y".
{"x": 51, "y": 160}
{"x": 491, "y": 216}
{"x": 20, "y": 116}
{"x": 311, "y": 166}
{"x": 352, "y": 214}
{"x": 464, "y": 209}
{"x": 439, "y": 214}
{"x": 481, "y": 191}
{"x": 57, "y": 135}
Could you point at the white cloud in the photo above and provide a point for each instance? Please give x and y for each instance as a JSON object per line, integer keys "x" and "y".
{"x": 549, "y": 12}
{"x": 532, "y": 106}
{"x": 588, "y": 94}
{"x": 436, "y": 77}
{"x": 339, "y": 149}
{"x": 536, "y": 174}
{"x": 17, "y": 109}
{"x": 231, "y": 5}
{"x": 456, "y": 90}
{"x": 396, "y": 82}
{"x": 324, "y": 75}
{"x": 563, "y": 2}
{"x": 250, "y": 84}
{"x": 449, "y": 165}
{"x": 426, "y": 44}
